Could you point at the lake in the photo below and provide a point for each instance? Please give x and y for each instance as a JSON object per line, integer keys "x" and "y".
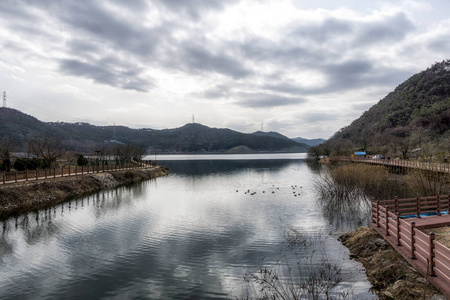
{"x": 193, "y": 234}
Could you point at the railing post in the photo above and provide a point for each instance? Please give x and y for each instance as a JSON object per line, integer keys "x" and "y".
{"x": 37, "y": 174}
{"x": 26, "y": 175}
{"x": 45, "y": 173}
{"x": 387, "y": 221}
{"x": 438, "y": 205}
{"x": 4, "y": 178}
{"x": 413, "y": 240}
{"x": 54, "y": 172}
{"x": 398, "y": 229}
{"x": 15, "y": 176}
{"x": 82, "y": 169}
{"x": 69, "y": 170}
{"x": 62, "y": 171}
{"x": 431, "y": 263}
{"x": 418, "y": 206}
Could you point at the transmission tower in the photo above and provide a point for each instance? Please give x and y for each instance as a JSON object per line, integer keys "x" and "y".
{"x": 193, "y": 119}
{"x": 4, "y": 99}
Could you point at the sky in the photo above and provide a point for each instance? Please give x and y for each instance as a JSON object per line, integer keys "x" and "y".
{"x": 304, "y": 68}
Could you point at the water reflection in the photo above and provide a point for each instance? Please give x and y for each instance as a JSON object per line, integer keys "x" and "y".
{"x": 188, "y": 235}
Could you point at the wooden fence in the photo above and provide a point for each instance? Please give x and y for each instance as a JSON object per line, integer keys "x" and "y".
{"x": 65, "y": 171}
{"x": 413, "y": 164}
{"x": 427, "y": 255}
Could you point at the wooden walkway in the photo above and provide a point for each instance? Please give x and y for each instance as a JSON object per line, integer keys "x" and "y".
{"x": 67, "y": 171}
{"x": 402, "y": 163}
{"x": 429, "y": 257}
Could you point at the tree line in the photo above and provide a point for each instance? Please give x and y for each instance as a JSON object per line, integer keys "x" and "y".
{"x": 44, "y": 151}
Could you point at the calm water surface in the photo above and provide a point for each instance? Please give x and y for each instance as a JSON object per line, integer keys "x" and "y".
{"x": 190, "y": 235}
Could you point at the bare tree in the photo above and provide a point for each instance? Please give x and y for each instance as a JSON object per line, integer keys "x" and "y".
{"x": 6, "y": 147}
{"x": 46, "y": 147}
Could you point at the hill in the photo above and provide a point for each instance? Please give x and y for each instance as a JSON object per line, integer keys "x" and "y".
{"x": 415, "y": 115}
{"x": 84, "y": 137}
{"x": 309, "y": 142}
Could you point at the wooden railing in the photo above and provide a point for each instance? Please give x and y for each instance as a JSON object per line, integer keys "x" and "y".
{"x": 65, "y": 171}
{"x": 414, "y": 164}
{"x": 426, "y": 254}
{"x": 416, "y": 206}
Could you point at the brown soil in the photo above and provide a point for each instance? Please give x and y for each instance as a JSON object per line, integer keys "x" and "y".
{"x": 390, "y": 275}
{"x": 442, "y": 234}
{"x": 24, "y": 197}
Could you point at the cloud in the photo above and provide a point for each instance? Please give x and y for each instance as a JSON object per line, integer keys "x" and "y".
{"x": 385, "y": 30}
{"x": 105, "y": 75}
{"x": 264, "y": 100}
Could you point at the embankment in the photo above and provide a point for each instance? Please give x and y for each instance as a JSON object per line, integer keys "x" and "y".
{"x": 28, "y": 196}
{"x": 390, "y": 275}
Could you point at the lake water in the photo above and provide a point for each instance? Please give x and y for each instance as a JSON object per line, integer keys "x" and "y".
{"x": 190, "y": 235}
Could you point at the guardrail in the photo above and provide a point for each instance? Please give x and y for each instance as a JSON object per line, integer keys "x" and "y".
{"x": 427, "y": 255}
{"x": 65, "y": 171}
{"x": 414, "y": 164}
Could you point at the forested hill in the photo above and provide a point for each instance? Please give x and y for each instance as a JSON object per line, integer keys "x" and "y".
{"x": 84, "y": 137}
{"x": 415, "y": 115}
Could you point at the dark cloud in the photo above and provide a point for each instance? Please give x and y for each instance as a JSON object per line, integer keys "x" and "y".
{"x": 263, "y": 100}
{"x": 330, "y": 28}
{"x": 102, "y": 73}
{"x": 194, "y": 9}
{"x": 391, "y": 29}
{"x": 96, "y": 22}
{"x": 199, "y": 59}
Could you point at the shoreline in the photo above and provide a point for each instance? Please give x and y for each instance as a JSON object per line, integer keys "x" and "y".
{"x": 23, "y": 197}
{"x": 390, "y": 275}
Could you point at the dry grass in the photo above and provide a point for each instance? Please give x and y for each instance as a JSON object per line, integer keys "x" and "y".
{"x": 442, "y": 234}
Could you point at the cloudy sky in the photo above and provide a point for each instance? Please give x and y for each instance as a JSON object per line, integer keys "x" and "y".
{"x": 300, "y": 67}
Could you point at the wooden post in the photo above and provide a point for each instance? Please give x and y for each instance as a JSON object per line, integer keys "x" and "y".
{"x": 26, "y": 175}
{"x": 82, "y": 169}
{"x": 431, "y": 262}
{"x": 76, "y": 171}
{"x": 4, "y": 178}
{"x": 15, "y": 176}
{"x": 438, "y": 205}
{"x": 45, "y": 173}
{"x": 396, "y": 204}
{"x": 69, "y": 170}
{"x": 413, "y": 240}
{"x": 387, "y": 221}
{"x": 398, "y": 229}
{"x": 418, "y": 206}
{"x": 37, "y": 174}
{"x": 54, "y": 172}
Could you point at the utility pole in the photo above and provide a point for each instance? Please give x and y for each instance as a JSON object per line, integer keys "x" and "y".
{"x": 4, "y": 99}
{"x": 193, "y": 119}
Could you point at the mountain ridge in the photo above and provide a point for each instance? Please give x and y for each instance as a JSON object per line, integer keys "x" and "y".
{"x": 189, "y": 138}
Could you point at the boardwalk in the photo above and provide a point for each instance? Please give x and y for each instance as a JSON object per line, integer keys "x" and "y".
{"x": 412, "y": 164}
{"x": 428, "y": 256}
{"x": 66, "y": 171}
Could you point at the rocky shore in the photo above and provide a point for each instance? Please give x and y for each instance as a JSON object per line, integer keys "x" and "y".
{"x": 28, "y": 196}
{"x": 390, "y": 275}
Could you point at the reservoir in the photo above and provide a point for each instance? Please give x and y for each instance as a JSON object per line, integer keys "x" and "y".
{"x": 194, "y": 234}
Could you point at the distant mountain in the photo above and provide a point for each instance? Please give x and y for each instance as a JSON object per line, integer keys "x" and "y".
{"x": 270, "y": 133}
{"x": 309, "y": 142}
{"x": 190, "y": 138}
{"x": 415, "y": 115}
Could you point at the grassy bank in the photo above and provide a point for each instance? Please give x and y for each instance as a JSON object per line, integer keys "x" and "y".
{"x": 21, "y": 198}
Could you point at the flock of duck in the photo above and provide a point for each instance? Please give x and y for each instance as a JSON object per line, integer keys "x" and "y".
{"x": 294, "y": 192}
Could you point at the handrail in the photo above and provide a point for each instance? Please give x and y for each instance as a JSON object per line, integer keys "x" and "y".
{"x": 66, "y": 171}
